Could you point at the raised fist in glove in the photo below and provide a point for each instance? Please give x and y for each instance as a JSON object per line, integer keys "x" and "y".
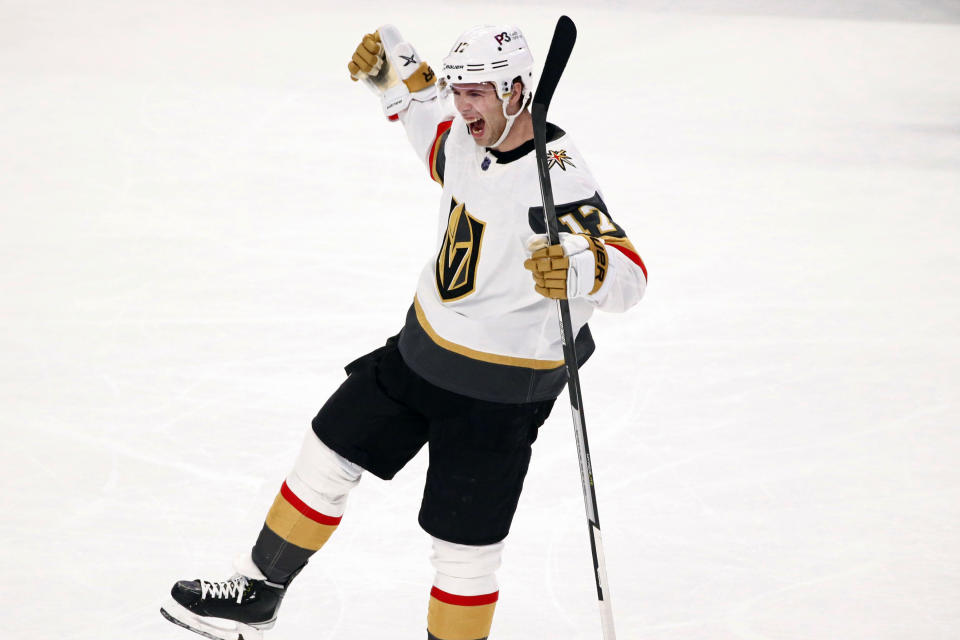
{"x": 392, "y": 69}
{"x": 574, "y": 268}
{"x": 368, "y": 58}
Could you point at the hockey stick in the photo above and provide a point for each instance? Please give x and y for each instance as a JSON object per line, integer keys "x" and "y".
{"x": 564, "y": 37}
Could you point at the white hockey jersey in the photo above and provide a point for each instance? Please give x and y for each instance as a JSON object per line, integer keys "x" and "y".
{"x": 476, "y": 326}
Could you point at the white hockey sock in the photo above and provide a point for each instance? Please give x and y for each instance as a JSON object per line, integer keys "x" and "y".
{"x": 306, "y": 511}
{"x": 465, "y": 590}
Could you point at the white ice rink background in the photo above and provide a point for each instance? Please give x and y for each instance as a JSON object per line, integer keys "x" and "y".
{"x": 202, "y": 220}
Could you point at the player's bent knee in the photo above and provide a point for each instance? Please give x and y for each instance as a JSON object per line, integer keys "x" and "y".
{"x": 465, "y": 569}
{"x": 322, "y": 478}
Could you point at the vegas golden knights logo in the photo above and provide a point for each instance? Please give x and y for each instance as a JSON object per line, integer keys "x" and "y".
{"x": 456, "y": 270}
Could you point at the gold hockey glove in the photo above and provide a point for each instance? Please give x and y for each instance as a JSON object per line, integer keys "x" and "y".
{"x": 391, "y": 67}
{"x": 368, "y": 58}
{"x": 549, "y": 268}
{"x": 575, "y": 268}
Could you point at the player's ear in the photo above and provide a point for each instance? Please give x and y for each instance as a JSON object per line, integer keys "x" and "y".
{"x": 516, "y": 95}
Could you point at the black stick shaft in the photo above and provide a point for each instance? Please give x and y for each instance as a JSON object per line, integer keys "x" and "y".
{"x": 560, "y": 49}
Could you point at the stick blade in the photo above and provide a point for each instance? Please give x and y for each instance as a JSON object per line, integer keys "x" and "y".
{"x": 564, "y": 37}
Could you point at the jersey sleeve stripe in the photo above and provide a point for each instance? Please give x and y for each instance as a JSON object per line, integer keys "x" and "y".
{"x": 436, "y": 149}
{"x": 634, "y": 258}
{"x": 622, "y": 241}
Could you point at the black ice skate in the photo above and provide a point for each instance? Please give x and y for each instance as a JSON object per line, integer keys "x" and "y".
{"x": 240, "y": 608}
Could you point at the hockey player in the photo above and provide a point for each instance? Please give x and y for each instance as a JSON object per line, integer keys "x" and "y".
{"x": 478, "y": 364}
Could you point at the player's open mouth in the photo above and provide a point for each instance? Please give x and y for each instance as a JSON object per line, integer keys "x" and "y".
{"x": 477, "y": 127}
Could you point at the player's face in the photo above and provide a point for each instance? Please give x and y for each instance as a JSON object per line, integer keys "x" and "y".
{"x": 481, "y": 108}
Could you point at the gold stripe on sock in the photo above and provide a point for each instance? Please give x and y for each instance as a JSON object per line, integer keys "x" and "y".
{"x": 291, "y": 525}
{"x": 455, "y": 622}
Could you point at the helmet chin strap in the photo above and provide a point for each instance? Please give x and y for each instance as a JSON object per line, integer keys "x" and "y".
{"x": 510, "y": 120}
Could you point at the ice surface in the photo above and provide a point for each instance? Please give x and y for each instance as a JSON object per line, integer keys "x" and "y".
{"x": 202, "y": 219}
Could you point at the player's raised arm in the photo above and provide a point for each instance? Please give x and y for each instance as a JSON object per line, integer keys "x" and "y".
{"x": 406, "y": 84}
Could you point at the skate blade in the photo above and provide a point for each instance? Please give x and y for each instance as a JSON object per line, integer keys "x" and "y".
{"x": 213, "y": 628}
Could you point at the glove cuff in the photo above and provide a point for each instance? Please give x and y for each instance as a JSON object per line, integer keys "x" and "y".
{"x": 589, "y": 268}
{"x": 422, "y": 78}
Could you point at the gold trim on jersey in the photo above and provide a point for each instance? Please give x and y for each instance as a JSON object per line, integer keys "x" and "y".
{"x": 433, "y": 167}
{"x": 434, "y": 154}
{"x": 495, "y": 358}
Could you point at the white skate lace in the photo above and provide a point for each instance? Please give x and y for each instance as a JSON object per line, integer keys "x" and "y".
{"x": 234, "y": 587}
